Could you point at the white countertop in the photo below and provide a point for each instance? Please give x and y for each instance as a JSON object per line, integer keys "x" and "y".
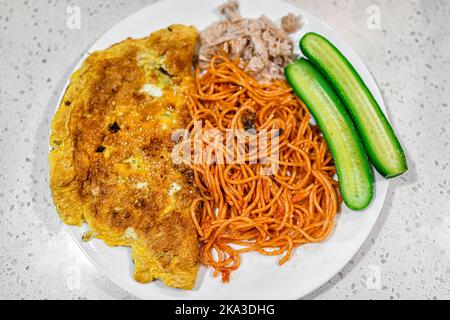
{"x": 407, "y": 253}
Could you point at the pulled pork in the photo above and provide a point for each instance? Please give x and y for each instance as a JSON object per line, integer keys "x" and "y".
{"x": 264, "y": 48}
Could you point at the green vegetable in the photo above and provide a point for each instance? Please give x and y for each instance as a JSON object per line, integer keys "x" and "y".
{"x": 381, "y": 144}
{"x": 352, "y": 165}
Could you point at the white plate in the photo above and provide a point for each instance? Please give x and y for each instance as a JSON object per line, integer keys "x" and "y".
{"x": 259, "y": 277}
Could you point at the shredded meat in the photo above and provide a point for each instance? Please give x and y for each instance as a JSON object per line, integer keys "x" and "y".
{"x": 264, "y": 48}
{"x": 291, "y": 23}
{"x": 230, "y": 11}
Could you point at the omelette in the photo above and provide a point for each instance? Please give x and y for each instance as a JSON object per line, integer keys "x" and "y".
{"x": 110, "y": 162}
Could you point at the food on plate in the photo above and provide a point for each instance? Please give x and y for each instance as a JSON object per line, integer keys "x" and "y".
{"x": 264, "y": 49}
{"x": 352, "y": 166}
{"x": 291, "y": 23}
{"x": 239, "y": 208}
{"x": 110, "y": 163}
{"x": 266, "y": 179}
{"x": 380, "y": 141}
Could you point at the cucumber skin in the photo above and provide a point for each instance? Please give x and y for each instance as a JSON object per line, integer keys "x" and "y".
{"x": 382, "y": 162}
{"x": 365, "y": 174}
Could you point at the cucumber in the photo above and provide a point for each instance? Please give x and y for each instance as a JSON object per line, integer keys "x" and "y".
{"x": 380, "y": 142}
{"x": 352, "y": 166}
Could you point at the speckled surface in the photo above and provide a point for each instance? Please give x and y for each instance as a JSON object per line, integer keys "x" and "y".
{"x": 407, "y": 254}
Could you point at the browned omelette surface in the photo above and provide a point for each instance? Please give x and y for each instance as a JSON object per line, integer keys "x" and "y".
{"x": 111, "y": 159}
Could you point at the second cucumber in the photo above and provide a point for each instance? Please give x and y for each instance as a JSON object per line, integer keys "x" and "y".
{"x": 352, "y": 165}
{"x": 381, "y": 144}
